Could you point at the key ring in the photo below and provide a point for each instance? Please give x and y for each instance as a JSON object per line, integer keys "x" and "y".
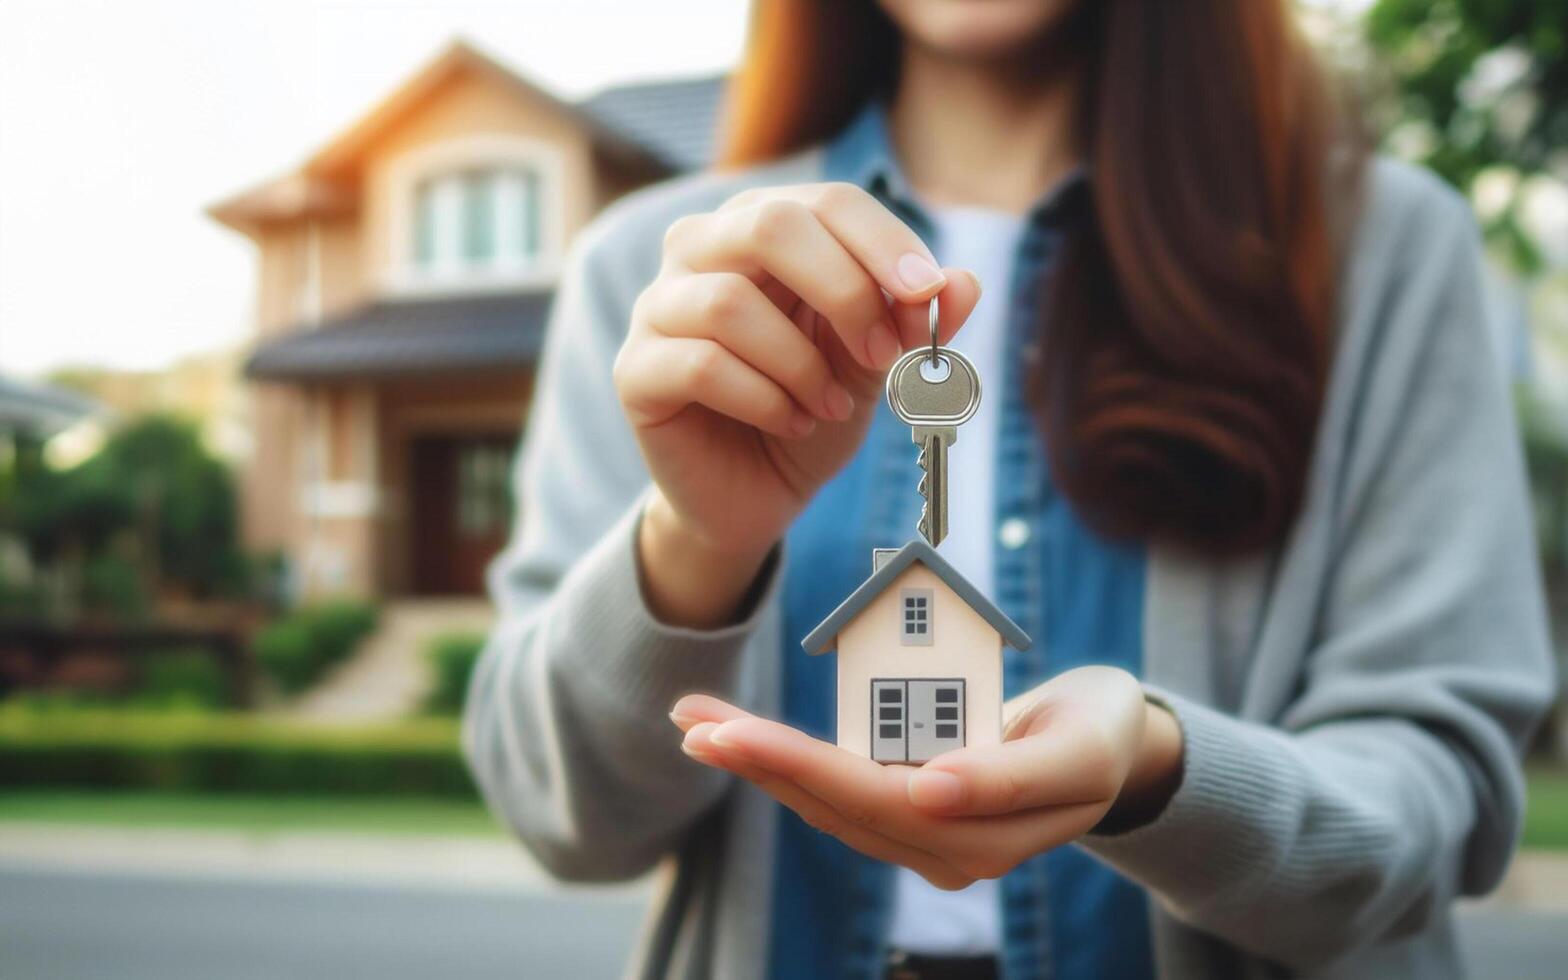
{"x": 933, "y": 316}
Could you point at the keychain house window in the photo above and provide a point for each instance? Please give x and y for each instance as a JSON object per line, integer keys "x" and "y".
{"x": 917, "y": 617}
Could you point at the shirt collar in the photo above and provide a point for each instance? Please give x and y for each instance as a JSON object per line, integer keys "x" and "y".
{"x": 862, "y": 154}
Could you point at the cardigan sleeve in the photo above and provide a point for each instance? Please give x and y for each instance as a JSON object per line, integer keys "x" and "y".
{"x": 1391, "y": 782}
{"x": 566, "y": 725}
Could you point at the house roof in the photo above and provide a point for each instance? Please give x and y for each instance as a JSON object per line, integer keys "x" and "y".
{"x": 825, "y": 636}
{"x": 40, "y": 410}
{"x": 406, "y": 337}
{"x": 673, "y": 120}
{"x": 665, "y": 124}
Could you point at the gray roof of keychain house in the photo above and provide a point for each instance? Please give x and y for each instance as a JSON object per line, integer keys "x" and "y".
{"x": 825, "y": 636}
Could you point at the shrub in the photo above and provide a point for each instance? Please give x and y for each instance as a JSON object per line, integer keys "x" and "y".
{"x": 222, "y": 752}
{"x": 188, "y": 678}
{"x": 286, "y": 653}
{"x": 451, "y": 657}
{"x": 338, "y": 625}
{"x": 296, "y": 650}
{"x": 113, "y": 584}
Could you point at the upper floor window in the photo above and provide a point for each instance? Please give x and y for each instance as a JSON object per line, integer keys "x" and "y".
{"x": 479, "y": 218}
{"x": 477, "y": 211}
{"x": 917, "y": 617}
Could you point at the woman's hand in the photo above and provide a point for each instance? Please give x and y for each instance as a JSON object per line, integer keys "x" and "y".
{"x": 752, "y": 369}
{"x": 1081, "y": 748}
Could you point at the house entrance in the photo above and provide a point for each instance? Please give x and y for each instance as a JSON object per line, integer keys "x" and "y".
{"x": 915, "y": 721}
{"x": 461, "y": 509}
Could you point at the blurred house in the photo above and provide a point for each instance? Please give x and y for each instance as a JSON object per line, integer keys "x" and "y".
{"x": 205, "y": 388}
{"x": 35, "y": 412}
{"x": 406, "y": 271}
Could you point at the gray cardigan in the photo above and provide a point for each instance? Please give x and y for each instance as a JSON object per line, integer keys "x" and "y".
{"x": 1353, "y": 703}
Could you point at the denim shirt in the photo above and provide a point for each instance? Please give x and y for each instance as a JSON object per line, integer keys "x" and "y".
{"x": 1080, "y": 598}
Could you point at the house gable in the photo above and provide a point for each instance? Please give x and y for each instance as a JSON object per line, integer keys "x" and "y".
{"x": 825, "y": 636}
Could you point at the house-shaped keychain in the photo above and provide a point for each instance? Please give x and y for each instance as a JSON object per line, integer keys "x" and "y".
{"x": 919, "y": 659}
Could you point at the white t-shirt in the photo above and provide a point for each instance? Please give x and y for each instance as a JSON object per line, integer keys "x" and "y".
{"x": 925, "y": 918}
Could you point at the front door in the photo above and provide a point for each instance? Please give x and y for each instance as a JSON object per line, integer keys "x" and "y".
{"x": 915, "y": 721}
{"x": 461, "y": 509}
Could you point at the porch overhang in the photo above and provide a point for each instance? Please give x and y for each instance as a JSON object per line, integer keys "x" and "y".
{"x": 410, "y": 338}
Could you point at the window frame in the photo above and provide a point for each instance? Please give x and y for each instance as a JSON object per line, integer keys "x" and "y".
{"x": 538, "y": 164}
{"x": 927, "y": 617}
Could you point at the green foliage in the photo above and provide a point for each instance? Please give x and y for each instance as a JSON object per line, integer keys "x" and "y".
{"x": 153, "y": 497}
{"x": 188, "y": 678}
{"x": 180, "y": 496}
{"x": 297, "y": 649}
{"x": 1546, "y": 453}
{"x": 227, "y": 753}
{"x": 339, "y": 625}
{"x": 1485, "y": 82}
{"x": 452, "y": 658}
{"x": 286, "y": 652}
{"x": 113, "y": 584}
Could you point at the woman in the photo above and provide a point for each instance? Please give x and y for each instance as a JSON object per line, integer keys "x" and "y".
{"x": 1248, "y": 478}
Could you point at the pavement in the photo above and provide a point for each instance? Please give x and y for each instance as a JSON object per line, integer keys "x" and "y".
{"x": 81, "y": 903}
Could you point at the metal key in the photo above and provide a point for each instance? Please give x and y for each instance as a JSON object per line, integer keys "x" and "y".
{"x": 934, "y": 407}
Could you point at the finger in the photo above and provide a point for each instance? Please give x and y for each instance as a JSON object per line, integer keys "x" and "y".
{"x": 880, "y": 241}
{"x": 694, "y": 709}
{"x": 875, "y": 798}
{"x": 658, "y": 377}
{"x": 956, "y": 302}
{"x": 824, "y": 818}
{"x": 786, "y": 240}
{"x": 1037, "y": 771}
{"x": 729, "y": 308}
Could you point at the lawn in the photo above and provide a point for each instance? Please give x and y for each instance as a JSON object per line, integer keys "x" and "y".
{"x": 389, "y": 815}
{"x": 1545, "y": 826}
{"x": 1546, "y": 819}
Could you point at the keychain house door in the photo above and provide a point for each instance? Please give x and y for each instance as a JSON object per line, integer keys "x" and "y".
{"x": 915, "y": 721}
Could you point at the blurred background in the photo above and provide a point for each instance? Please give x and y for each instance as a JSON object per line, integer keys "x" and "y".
{"x": 273, "y": 280}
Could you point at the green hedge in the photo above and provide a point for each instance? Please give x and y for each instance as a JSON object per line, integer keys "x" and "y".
{"x": 451, "y": 658}
{"x": 198, "y": 752}
{"x": 182, "y": 678}
{"x": 297, "y": 649}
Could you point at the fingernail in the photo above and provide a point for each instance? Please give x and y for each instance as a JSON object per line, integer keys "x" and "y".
{"x": 697, "y": 736}
{"x": 720, "y": 738}
{"x": 680, "y": 720}
{"x": 974, "y": 277}
{"x": 802, "y": 424}
{"x": 706, "y": 758}
{"x": 934, "y": 789}
{"x": 918, "y": 272}
{"x": 840, "y": 404}
{"x": 882, "y": 347}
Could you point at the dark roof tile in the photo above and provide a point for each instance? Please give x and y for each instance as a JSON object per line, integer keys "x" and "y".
{"x": 411, "y": 336}
{"x": 673, "y": 120}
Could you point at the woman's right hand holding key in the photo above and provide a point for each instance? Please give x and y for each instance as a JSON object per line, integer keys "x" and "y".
{"x": 752, "y": 370}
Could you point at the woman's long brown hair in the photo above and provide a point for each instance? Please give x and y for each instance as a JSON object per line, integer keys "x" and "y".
{"x": 1185, "y": 335}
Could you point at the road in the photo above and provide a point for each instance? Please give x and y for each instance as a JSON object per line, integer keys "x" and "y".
{"x": 82, "y": 925}
{"x": 86, "y": 926}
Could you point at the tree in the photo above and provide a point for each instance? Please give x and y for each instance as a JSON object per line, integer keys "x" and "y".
{"x": 153, "y": 497}
{"x": 1479, "y": 85}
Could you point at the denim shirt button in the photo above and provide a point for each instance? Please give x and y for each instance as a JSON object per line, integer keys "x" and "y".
{"x": 1014, "y": 533}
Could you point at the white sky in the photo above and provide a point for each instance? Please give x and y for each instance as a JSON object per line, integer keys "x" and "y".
{"x": 120, "y": 121}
